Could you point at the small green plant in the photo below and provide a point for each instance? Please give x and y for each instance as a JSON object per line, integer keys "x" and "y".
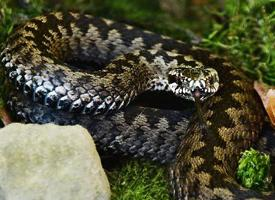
{"x": 253, "y": 170}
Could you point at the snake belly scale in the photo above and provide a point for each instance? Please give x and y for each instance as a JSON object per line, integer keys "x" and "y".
{"x": 38, "y": 57}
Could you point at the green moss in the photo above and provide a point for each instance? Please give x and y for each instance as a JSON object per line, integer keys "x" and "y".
{"x": 246, "y": 33}
{"x": 253, "y": 170}
{"x": 6, "y": 26}
{"x": 6, "y": 21}
{"x": 139, "y": 180}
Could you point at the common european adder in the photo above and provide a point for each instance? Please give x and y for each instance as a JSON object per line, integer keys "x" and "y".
{"x": 72, "y": 68}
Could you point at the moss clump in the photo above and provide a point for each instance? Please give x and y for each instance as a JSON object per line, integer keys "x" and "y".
{"x": 253, "y": 170}
{"x": 246, "y": 31}
{"x": 140, "y": 181}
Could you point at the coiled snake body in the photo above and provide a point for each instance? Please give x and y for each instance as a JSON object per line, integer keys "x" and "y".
{"x": 42, "y": 57}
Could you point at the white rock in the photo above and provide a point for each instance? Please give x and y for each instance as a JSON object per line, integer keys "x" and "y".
{"x": 50, "y": 162}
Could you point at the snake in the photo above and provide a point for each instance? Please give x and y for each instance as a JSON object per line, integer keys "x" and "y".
{"x": 73, "y": 68}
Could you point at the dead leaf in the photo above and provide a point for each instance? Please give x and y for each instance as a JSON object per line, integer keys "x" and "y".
{"x": 267, "y": 94}
{"x": 271, "y": 109}
{"x": 4, "y": 116}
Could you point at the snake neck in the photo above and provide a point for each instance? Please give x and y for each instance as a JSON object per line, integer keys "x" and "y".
{"x": 127, "y": 76}
{"x": 206, "y": 163}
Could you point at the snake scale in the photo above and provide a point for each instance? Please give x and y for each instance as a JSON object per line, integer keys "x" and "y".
{"x": 73, "y": 68}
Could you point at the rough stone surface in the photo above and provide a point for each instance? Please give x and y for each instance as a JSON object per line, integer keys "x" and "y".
{"x": 50, "y": 162}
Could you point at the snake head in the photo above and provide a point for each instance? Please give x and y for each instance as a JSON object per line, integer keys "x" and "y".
{"x": 191, "y": 83}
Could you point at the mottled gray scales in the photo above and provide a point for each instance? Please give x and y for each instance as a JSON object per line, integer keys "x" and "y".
{"x": 72, "y": 68}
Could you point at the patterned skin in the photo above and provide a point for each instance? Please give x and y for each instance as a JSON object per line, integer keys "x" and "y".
{"x": 38, "y": 58}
